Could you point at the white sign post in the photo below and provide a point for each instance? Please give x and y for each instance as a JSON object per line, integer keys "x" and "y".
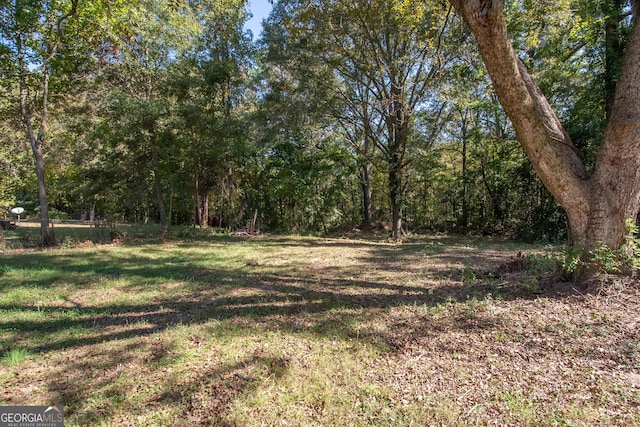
{"x": 17, "y": 211}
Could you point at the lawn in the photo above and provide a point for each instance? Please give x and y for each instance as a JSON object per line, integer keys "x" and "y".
{"x": 212, "y": 330}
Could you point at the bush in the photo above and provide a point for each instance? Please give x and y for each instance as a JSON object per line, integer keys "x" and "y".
{"x": 606, "y": 260}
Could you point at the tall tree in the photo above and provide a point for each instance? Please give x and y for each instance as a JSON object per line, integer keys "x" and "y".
{"x": 211, "y": 83}
{"x": 599, "y": 201}
{"x": 137, "y": 71}
{"x": 48, "y": 46}
{"x": 33, "y": 34}
{"x": 391, "y": 49}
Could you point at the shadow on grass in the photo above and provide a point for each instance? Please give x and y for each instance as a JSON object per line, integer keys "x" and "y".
{"x": 274, "y": 293}
{"x": 199, "y": 398}
{"x": 280, "y": 301}
{"x": 221, "y": 289}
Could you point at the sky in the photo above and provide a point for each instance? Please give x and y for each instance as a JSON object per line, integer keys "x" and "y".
{"x": 260, "y": 10}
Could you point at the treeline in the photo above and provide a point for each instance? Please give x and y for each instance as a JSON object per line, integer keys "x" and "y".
{"x": 343, "y": 114}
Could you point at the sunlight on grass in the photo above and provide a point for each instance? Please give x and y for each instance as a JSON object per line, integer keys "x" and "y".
{"x": 303, "y": 331}
{"x": 15, "y": 356}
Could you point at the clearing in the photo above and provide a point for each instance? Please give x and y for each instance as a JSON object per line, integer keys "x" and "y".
{"x": 299, "y": 331}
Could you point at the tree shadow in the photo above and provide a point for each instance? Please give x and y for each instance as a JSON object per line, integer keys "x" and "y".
{"x": 318, "y": 300}
{"x": 200, "y": 398}
{"x": 245, "y": 290}
{"x": 276, "y": 299}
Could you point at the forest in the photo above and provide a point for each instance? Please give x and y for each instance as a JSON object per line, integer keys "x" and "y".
{"x": 338, "y": 115}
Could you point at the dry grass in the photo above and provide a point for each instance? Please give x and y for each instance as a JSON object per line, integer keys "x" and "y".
{"x": 219, "y": 331}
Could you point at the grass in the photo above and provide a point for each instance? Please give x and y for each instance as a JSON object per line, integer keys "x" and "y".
{"x": 16, "y": 356}
{"x": 208, "y": 330}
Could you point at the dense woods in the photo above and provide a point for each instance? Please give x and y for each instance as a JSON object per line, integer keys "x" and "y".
{"x": 342, "y": 114}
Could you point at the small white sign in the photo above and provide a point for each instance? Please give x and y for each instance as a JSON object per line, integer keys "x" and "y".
{"x": 17, "y": 211}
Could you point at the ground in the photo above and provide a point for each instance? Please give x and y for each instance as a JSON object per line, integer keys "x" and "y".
{"x": 206, "y": 330}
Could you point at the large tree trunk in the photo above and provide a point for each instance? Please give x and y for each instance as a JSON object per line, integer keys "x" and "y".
{"x": 614, "y": 49}
{"x": 596, "y": 204}
{"x": 398, "y": 134}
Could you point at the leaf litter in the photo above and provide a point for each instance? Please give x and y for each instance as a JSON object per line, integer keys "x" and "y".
{"x": 348, "y": 332}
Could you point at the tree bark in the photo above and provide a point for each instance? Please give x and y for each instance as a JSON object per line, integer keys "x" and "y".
{"x": 397, "y": 126}
{"x": 197, "y": 218}
{"x": 204, "y": 207}
{"x": 614, "y": 49}
{"x": 365, "y": 171}
{"x": 596, "y": 204}
{"x": 464, "y": 220}
{"x": 47, "y": 237}
{"x": 201, "y": 202}
{"x": 158, "y": 185}
{"x": 395, "y": 190}
{"x": 365, "y": 184}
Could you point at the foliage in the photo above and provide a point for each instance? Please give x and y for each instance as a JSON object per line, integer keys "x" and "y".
{"x": 572, "y": 258}
{"x": 375, "y": 64}
{"x": 169, "y": 114}
{"x": 299, "y": 127}
{"x": 604, "y": 259}
{"x": 630, "y": 251}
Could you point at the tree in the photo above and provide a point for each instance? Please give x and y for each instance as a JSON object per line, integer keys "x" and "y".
{"x": 33, "y": 33}
{"x": 357, "y": 119}
{"x": 305, "y": 175}
{"x": 210, "y": 84}
{"x": 599, "y": 201}
{"x": 48, "y": 50}
{"x": 383, "y": 58}
{"x": 137, "y": 71}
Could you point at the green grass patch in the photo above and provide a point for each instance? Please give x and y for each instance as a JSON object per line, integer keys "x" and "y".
{"x": 15, "y": 356}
